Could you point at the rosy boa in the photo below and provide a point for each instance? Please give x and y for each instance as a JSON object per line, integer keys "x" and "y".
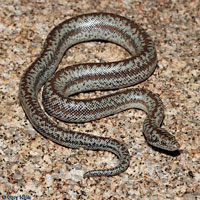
{"x": 93, "y": 76}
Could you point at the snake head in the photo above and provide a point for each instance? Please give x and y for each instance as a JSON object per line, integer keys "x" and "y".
{"x": 161, "y": 139}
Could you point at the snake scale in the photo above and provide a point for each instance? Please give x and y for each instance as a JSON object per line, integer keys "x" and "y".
{"x": 57, "y": 92}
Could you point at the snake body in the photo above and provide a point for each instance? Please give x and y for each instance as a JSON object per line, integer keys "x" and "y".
{"x": 94, "y": 76}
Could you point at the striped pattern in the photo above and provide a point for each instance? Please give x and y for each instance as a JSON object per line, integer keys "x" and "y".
{"x": 84, "y": 77}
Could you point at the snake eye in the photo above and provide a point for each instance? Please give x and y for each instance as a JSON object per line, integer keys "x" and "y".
{"x": 163, "y": 143}
{"x": 160, "y": 138}
{"x": 168, "y": 141}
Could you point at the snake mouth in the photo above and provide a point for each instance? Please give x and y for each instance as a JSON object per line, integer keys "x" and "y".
{"x": 171, "y": 148}
{"x": 161, "y": 139}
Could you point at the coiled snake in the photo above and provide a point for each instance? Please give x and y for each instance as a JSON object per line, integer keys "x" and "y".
{"x": 93, "y": 76}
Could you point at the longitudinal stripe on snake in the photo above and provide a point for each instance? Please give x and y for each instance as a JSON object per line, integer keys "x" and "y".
{"x": 93, "y": 76}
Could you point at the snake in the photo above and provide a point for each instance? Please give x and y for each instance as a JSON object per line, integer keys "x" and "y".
{"x": 59, "y": 87}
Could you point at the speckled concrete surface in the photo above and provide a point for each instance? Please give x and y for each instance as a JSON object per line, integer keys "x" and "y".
{"x": 36, "y": 168}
